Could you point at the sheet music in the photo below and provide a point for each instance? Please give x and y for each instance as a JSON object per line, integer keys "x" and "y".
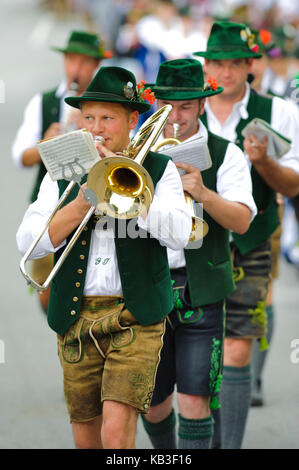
{"x": 195, "y": 152}
{"x": 69, "y": 154}
{"x": 278, "y": 144}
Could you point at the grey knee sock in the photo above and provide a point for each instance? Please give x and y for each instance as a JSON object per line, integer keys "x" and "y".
{"x": 195, "y": 433}
{"x": 235, "y": 401}
{"x": 162, "y": 435}
{"x": 259, "y": 357}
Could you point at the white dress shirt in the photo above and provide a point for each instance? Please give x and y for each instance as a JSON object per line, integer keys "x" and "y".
{"x": 233, "y": 183}
{"x": 168, "y": 220}
{"x": 29, "y": 133}
{"x": 284, "y": 119}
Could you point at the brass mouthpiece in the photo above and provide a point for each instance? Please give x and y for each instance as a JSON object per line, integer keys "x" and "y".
{"x": 176, "y": 128}
{"x": 98, "y": 138}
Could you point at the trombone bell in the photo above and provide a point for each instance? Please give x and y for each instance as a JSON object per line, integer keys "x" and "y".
{"x": 122, "y": 186}
{"x": 199, "y": 229}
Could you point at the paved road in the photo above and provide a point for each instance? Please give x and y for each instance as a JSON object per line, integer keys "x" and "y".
{"x": 32, "y": 409}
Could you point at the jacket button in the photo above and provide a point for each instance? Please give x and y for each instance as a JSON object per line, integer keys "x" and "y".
{"x": 80, "y": 271}
{"x": 73, "y": 312}
{"x": 83, "y": 242}
{"x": 82, "y": 256}
{"x": 75, "y": 299}
{"x": 77, "y": 284}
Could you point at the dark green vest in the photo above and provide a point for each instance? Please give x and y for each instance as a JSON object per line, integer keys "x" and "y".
{"x": 209, "y": 268}
{"x": 50, "y": 114}
{"x": 142, "y": 263}
{"x": 266, "y": 220}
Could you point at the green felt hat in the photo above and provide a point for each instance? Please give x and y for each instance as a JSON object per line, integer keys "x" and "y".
{"x": 285, "y": 39}
{"x": 81, "y": 42}
{"x": 182, "y": 79}
{"x": 229, "y": 40}
{"x": 114, "y": 85}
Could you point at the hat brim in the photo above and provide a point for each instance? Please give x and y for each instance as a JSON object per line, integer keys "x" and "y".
{"x": 75, "y": 101}
{"x": 225, "y": 54}
{"x": 80, "y": 50}
{"x": 176, "y": 94}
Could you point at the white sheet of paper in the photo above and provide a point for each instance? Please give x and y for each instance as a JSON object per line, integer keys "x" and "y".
{"x": 69, "y": 154}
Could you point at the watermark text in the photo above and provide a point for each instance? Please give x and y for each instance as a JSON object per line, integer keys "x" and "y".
{"x": 2, "y": 91}
{"x": 295, "y": 351}
{"x": 2, "y": 352}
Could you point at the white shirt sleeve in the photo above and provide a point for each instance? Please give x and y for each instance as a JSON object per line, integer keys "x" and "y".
{"x": 168, "y": 218}
{"x": 234, "y": 180}
{"x": 36, "y": 218}
{"x": 29, "y": 132}
{"x": 285, "y": 119}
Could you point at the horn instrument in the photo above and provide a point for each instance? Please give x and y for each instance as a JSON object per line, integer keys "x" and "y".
{"x": 118, "y": 186}
{"x": 199, "y": 227}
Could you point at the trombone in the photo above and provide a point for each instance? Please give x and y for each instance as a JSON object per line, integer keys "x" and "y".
{"x": 118, "y": 186}
{"x": 199, "y": 228}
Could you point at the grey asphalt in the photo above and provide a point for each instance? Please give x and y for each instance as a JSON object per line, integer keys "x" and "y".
{"x": 32, "y": 409}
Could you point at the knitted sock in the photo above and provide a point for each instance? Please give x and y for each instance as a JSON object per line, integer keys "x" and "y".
{"x": 195, "y": 433}
{"x": 235, "y": 401}
{"x": 162, "y": 435}
{"x": 259, "y": 357}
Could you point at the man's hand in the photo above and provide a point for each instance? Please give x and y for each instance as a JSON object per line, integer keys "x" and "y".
{"x": 68, "y": 218}
{"x": 231, "y": 215}
{"x": 192, "y": 182}
{"x": 80, "y": 205}
{"x": 53, "y": 130}
{"x": 256, "y": 150}
{"x": 280, "y": 178}
{"x": 103, "y": 151}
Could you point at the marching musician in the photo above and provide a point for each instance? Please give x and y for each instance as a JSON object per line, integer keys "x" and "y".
{"x": 110, "y": 316}
{"x": 191, "y": 357}
{"x": 231, "y": 49}
{"x": 47, "y": 115}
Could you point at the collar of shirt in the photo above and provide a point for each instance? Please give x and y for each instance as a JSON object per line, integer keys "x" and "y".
{"x": 61, "y": 90}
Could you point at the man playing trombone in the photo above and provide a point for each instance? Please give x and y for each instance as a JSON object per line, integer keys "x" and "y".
{"x": 191, "y": 357}
{"x": 110, "y": 297}
{"x": 47, "y": 115}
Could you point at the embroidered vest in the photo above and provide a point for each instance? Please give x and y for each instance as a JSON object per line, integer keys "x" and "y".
{"x": 209, "y": 268}
{"x": 50, "y": 114}
{"x": 142, "y": 263}
{"x": 266, "y": 220}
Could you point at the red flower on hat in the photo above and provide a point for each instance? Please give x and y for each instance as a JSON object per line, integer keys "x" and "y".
{"x": 108, "y": 54}
{"x": 141, "y": 85}
{"x": 211, "y": 84}
{"x": 265, "y": 35}
{"x": 145, "y": 95}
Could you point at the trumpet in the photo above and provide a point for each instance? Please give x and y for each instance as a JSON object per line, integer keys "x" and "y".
{"x": 118, "y": 186}
{"x": 199, "y": 227}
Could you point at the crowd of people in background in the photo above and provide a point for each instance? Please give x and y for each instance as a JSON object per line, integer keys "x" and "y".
{"x": 141, "y": 34}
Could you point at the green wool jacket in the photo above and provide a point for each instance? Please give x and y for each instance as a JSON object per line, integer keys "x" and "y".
{"x": 209, "y": 268}
{"x": 266, "y": 220}
{"x": 50, "y": 114}
{"x": 143, "y": 268}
